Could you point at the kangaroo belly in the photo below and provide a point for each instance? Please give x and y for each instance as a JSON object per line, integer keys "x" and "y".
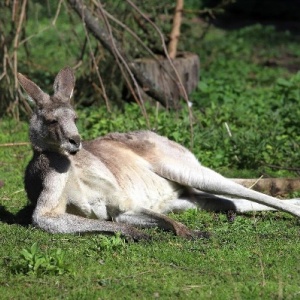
{"x": 138, "y": 184}
{"x": 144, "y": 188}
{"x": 98, "y": 190}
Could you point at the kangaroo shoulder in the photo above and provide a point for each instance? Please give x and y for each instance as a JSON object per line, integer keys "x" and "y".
{"x": 35, "y": 174}
{"x": 140, "y": 142}
{"x": 39, "y": 168}
{"x": 130, "y": 137}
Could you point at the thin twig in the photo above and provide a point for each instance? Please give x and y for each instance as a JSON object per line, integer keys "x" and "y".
{"x": 124, "y": 62}
{"x": 57, "y": 13}
{"x": 18, "y": 191}
{"x": 17, "y": 38}
{"x": 15, "y": 144}
{"x": 15, "y": 51}
{"x": 210, "y": 11}
{"x": 254, "y": 184}
{"x": 52, "y": 24}
{"x": 5, "y": 57}
{"x": 96, "y": 68}
{"x": 228, "y": 129}
{"x": 283, "y": 167}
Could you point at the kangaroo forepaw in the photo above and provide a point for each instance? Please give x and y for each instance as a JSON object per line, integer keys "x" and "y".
{"x": 197, "y": 234}
{"x": 135, "y": 235}
{"x": 191, "y": 234}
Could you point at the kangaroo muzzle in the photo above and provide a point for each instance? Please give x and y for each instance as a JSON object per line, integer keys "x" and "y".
{"x": 73, "y": 145}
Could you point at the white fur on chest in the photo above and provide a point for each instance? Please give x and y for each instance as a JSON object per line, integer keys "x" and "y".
{"x": 90, "y": 187}
{"x": 97, "y": 193}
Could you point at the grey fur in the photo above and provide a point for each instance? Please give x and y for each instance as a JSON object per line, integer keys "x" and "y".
{"x": 119, "y": 180}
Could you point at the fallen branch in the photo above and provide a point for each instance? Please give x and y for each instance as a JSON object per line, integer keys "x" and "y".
{"x": 272, "y": 186}
{"x": 15, "y": 144}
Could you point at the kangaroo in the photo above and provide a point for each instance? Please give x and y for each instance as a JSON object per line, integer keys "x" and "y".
{"x": 120, "y": 181}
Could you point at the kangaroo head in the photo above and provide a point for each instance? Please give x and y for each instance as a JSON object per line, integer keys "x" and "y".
{"x": 52, "y": 126}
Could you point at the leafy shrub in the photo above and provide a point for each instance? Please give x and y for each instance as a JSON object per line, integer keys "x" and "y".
{"x": 105, "y": 243}
{"x": 34, "y": 262}
{"x": 233, "y": 126}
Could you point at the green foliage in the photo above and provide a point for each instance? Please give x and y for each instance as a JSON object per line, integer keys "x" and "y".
{"x": 34, "y": 262}
{"x": 108, "y": 244}
{"x": 263, "y": 123}
{"x": 245, "y": 118}
{"x": 234, "y": 126}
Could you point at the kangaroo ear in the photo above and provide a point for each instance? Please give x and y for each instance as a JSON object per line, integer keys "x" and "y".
{"x": 64, "y": 84}
{"x": 33, "y": 91}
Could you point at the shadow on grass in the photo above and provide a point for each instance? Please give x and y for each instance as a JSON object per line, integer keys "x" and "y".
{"x": 23, "y": 217}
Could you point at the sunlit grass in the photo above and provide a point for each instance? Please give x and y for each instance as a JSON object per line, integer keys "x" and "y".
{"x": 252, "y": 256}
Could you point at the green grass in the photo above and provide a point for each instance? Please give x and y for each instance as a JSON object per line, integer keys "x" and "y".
{"x": 254, "y": 256}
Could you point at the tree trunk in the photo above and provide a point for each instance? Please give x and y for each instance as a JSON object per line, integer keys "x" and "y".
{"x": 162, "y": 74}
{"x": 175, "y": 33}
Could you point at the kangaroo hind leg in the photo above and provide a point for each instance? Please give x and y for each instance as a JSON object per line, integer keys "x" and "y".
{"x": 146, "y": 218}
{"x": 180, "y": 165}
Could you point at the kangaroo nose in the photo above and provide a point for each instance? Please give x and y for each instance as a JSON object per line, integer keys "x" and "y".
{"x": 75, "y": 142}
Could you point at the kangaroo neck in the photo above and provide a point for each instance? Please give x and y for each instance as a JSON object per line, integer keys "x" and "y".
{"x": 53, "y": 160}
